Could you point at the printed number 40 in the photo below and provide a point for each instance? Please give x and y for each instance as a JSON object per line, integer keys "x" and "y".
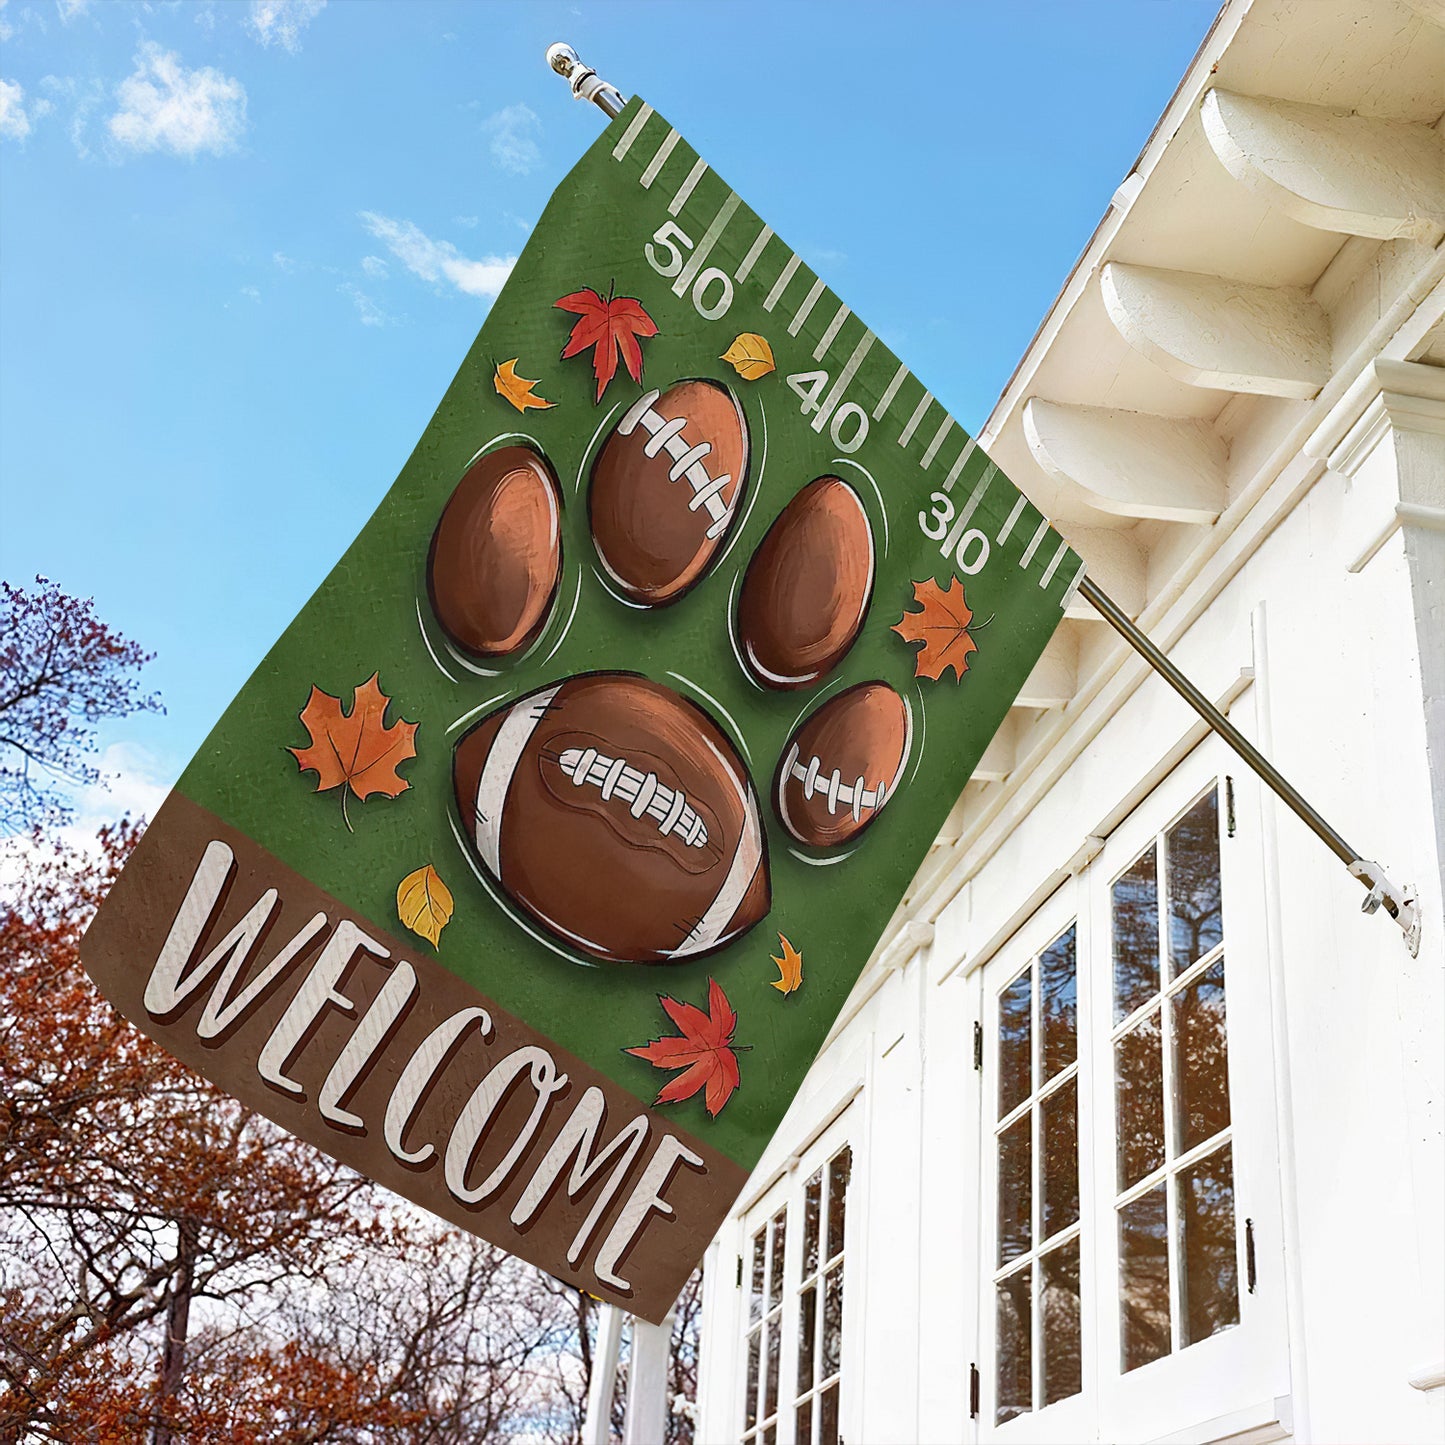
{"x": 849, "y": 422}
{"x": 666, "y": 255}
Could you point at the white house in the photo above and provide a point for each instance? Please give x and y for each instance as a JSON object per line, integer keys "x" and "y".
{"x": 1132, "y": 1129}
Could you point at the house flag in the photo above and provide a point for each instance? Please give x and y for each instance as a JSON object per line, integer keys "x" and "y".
{"x": 531, "y": 867}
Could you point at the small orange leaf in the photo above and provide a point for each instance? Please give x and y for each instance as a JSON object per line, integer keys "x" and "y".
{"x": 424, "y": 903}
{"x": 790, "y": 968}
{"x": 704, "y": 1050}
{"x": 356, "y": 749}
{"x": 517, "y": 389}
{"x": 942, "y": 628}
{"x": 750, "y": 356}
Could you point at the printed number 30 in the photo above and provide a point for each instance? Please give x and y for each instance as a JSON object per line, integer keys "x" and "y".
{"x": 665, "y": 254}
{"x": 969, "y": 548}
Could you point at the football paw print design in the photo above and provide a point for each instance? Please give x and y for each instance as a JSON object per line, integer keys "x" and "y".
{"x": 612, "y": 810}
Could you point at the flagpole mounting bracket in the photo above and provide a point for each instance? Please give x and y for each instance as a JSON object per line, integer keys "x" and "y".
{"x": 585, "y": 82}
{"x": 1399, "y": 900}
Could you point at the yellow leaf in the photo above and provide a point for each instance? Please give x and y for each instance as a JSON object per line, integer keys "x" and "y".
{"x": 750, "y": 356}
{"x": 517, "y": 389}
{"x": 424, "y": 903}
{"x": 790, "y": 968}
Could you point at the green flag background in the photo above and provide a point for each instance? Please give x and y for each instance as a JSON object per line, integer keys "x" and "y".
{"x": 642, "y": 216}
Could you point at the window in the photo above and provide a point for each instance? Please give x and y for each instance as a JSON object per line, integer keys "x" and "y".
{"x": 1130, "y": 1240}
{"x": 794, "y": 1327}
{"x": 1037, "y": 1142}
{"x": 1178, "y": 1281}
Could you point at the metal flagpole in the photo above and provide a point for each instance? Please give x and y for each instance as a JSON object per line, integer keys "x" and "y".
{"x": 1399, "y": 902}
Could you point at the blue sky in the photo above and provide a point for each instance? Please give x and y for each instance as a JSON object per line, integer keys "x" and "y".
{"x": 244, "y": 246}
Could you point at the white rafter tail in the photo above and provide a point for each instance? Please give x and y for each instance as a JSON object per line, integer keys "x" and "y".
{"x": 1229, "y": 335}
{"x": 1332, "y": 169}
{"x": 1129, "y": 464}
{"x": 1054, "y": 678}
{"x": 1115, "y": 563}
{"x": 1001, "y": 754}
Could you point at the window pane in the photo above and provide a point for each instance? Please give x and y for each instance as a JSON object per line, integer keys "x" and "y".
{"x": 770, "y": 1381}
{"x": 1015, "y": 1342}
{"x": 812, "y": 1207}
{"x": 775, "y": 1268}
{"x": 1207, "y": 1258}
{"x": 1015, "y": 1231}
{"x": 1201, "y": 1058}
{"x": 804, "y": 1435}
{"x": 1014, "y": 1066}
{"x": 1143, "y": 1280}
{"x": 1060, "y": 1144}
{"x": 770, "y": 1435}
{"x": 752, "y": 1402}
{"x": 828, "y": 1417}
{"x": 1058, "y": 1004}
{"x": 1195, "y": 921}
{"x": 755, "y": 1295}
{"x": 839, "y": 1170}
{"x": 833, "y": 1323}
{"x": 1139, "y": 1100}
{"x": 1063, "y": 1368}
{"x": 807, "y": 1327}
{"x": 1136, "y": 936}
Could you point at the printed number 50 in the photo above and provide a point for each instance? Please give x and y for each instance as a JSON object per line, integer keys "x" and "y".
{"x": 665, "y": 254}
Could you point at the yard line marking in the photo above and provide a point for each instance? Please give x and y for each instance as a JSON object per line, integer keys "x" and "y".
{"x": 1013, "y": 517}
{"x": 781, "y": 284}
{"x": 1072, "y": 590}
{"x": 956, "y": 469}
{"x": 806, "y": 309}
{"x": 632, "y": 132}
{"x": 655, "y": 164}
{"x": 820, "y": 417}
{"x": 989, "y": 473}
{"x": 1054, "y": 563}
{"x": 704, "y": 247}
{"x": 830, "y": 332}
{"x": 754, "y": 251}
{"x": 698, "y": 171}
{"x": 1033, "y": 545}
{"x": 889, "y": 392}
{"x": 907, "y": 434}
{"x": 937, "y": 442}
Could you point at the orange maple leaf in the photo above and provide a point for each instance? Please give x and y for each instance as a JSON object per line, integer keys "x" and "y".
{"x": 517, "y": 389}
{"x": 607, "y": 326}
{"x": 357, "y": 749}
{"x": 942, "y": 628}
{"x": 790, "y": 968}
{"x": 704, "y": 1050}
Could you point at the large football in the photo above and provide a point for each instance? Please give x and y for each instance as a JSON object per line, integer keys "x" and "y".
{"x": 843, "y": 764}
{"x": 806, "y": 590}
{"x": 618, "y": 815}
{"x": 496, "y": 554}
{"x": 665, "y": 488}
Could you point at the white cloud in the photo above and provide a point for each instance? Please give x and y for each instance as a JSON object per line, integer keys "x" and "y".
{"x": 470, "y": 222}
{"x": 514, "y": 131}
{"x": 70, "y": 9}
{"x": 282, "y": 21}
{"x": 370, "y": 313}
{"x": 439, "y": 260}
{"x": 14, "y": 119}
{"x": 164, "y": 106}
{"x": 374, "y": 267}
{"x": 6, "y": 29}
{"x": 251, "y": 293}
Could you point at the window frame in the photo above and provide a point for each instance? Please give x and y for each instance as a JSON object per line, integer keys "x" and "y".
{"x": 1247, "y": 1363}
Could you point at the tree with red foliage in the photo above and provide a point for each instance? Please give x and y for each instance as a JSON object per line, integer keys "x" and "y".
{"x": 62, "y": 671}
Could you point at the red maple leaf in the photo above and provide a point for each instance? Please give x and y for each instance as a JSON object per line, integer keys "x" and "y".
{"x": 607, "y": 326}
{"x": 704, "y": 1050}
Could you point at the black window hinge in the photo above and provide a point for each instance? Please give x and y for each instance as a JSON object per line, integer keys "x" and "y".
{"x": 977, "y": 1045}
{"x": 1229, "y": 805}
{"x": 973, "y": 1392}
{"x": 1250, "y": 1274}
{"x": 739, "y": 1282}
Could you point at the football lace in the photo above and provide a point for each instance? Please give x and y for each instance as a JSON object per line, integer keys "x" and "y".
{"x": 643, "y": 792}
{"x": 855, "y": 795}
{"x": 686, "y": 461}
